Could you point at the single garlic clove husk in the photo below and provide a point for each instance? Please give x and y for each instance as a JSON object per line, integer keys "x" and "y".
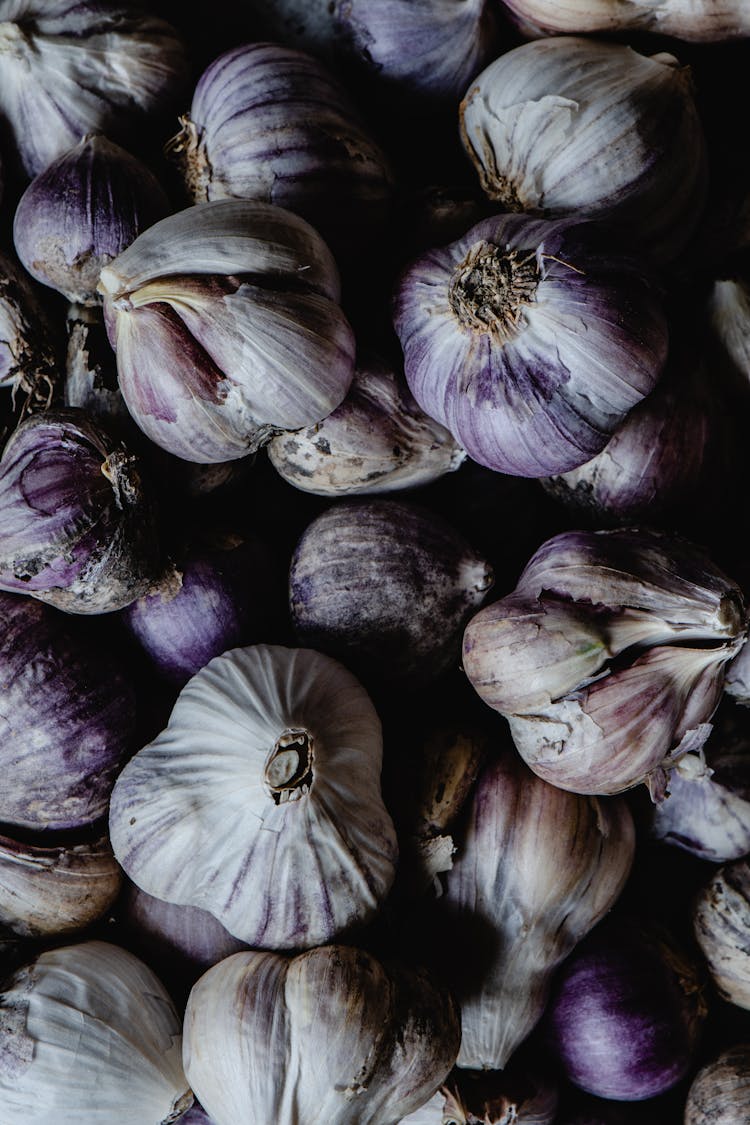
{"x": 386, "y": 586}
{"x": 519, "y": 1095}
{"x": 55, "y": 890}
{"x": 530, "y": 340}
{"x": 226, "y": 324}
{"x": 330, "y": 1035}
{"x": 68, "y": 70}
{"x": 721, "y": 924}
{"x": 271, "y": 123}
{"x": 574, "y": 126}
{"x": 86, "y": 207}
{"x": 78, "y": 518}
{"x": 702, "y": 21}
{"x": 270, "y": 770}
{"x": 90, "y": 1034}
{"x": 719, "y": 1093}
{"x": 66, "y": 721}
{"x": 28, "y": 348}
{"x": 376, "y": 441}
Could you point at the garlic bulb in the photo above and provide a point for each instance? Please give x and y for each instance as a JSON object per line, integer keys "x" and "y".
{"x": 271, "y": 123}
{"x": 50, "y": 891}
{"x": 269, "y": 774}
{"x": 78, "y": 520}
{"x": 81, "y": 212}
{"x": 609, "y": 657}
{"x": 28, "y": 348}
{"x": 329, "y": 1035}
{"x": 536, "y": 868}
{"x": 226, "y": 324}
{"x": 719, "y": 1093}
{"x": 377, "y": 440}
{"x": 530, "y": 340}
{"x": 67, "y": 69}
{"x": 573, "y": 126}
{"x": 721, "y": 923}
{"x": 700, "y": 21}
{"x": 89, "y": 1034}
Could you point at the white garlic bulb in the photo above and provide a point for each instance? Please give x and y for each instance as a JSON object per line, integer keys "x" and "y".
{"x": 89, "y": 1034}
{"x": 700, "y": 21}
{"x": 268, "y": 778}
{"x": 331, "y": 1035}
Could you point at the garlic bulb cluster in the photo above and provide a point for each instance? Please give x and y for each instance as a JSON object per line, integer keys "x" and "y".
{"x": 329, "y": 1035}
{"x": 530, "y": 340}
{"x": 67, "y": 69}
{"x": 28, "y": 347}
{"x": 700, "y": 21}
{"x": 721, "y": 923}
{"x": 89, "y": 1034}
{"x": 269, "y": 775}
{"x": 227, "y": 328}
{"x": 271, "y": 123}
{"x": 570, "y": 125}
{"x": 720, "y": 1092}
{"x": 608, "y": 658}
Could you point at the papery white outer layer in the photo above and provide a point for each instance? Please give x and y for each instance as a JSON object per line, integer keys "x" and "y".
{"x": 89, "y": 1034}
{"x": 700, "y": 21}
{"x": 278, "y": 876}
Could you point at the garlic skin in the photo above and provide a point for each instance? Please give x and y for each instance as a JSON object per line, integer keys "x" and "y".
{"x": 28, "y": 349}
{"x": 721, "y": 924}
{"x": 701, "y": 21}
{"x": 67, "y": 69}
{"x": 91, "y": 370}
{"x": 570, "y": 125}
{"x": 719, "y": 1093}
{"x": 226, "y": 325}
{"x": 377, "y": 440}
{"x": 80, "y": 212}
{"x": 518, "y": 1095}
{"x": 329, "y": 1035}
{"x": 530, "y": 340}
{"x": 270, "y": 769}
{"x": 89, "y": 1034}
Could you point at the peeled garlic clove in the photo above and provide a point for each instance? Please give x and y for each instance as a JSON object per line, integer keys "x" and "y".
{"x": 80, "y": 212}
{"x": 51, "y": 891}
{"x": 78, "y": 520}
{"x": 376, "y": 441}
{"x": 90, "y": 1034}
{"x": 719, "y": 1093}
{"x": 70, "y": 69}
{"x": 386, "y": 586}
{"x": 226, "y": 324}
{"x": 331, "y": 1034}
{"x": 572, "y": 126}
{"x": 28, "y": 351}
{"x": 272, "y": 755}
{"x": 721, "y": 924}
{"x": 530, "y": 340}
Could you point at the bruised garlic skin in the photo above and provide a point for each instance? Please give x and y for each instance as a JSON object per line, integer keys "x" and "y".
{"x": 88, "y": 1033}
{"x": 227, "y": 328}
{"x": 377, "y": 440}
{"x": 572, "y": 126}
{"x": 329, "y": 1035}
{"x": 720, "y": 1092}
{"x": 721, "y": 923}
{"x": 269, "y": 775}
{"x": 701, "y": 21}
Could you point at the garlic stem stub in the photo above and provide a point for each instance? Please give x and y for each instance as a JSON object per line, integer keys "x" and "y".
{"x": 227, "y": 328}
{"x": 530, "y": 340}
{"x": 28, "y": 346}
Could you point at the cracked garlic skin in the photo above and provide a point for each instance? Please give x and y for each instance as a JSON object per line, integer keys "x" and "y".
{"x": 609, "y": 657}
{"x": 721, "y": 924}
{"x": 268, "y": 774}
{"x": 88, "y": 1033}
{"x": 227, "y": 328}
{"x": 331, "y": 1035}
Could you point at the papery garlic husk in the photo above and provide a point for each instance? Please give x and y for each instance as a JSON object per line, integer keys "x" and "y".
{"x": 701, "y": 21}
{"x": 737, "y": 684}
{"x": 66, "y": 720}
{"x": 79, "y": 521}
{"x": 86, "y": 207}
{"x": 729, "y": 318}
{"x": 608, "y": 659}
{"x": 330, "y": 1035}
{"x": 55, "y": 890}
{"x": 386, "y": 586}
{"x": 719, "y": 1093}
{"x": 269, "y": 774}
{"x": 28, "y": 348}
{"x": 227, "y": 328}
{"x": 89, "y": 1034}
{"x": 271, "y": 123}
{"x": 91, "y": 370}
{"x": 721, "y": 924}
{"x": 68, "y": 69}
{"x": 535, "y": 870}
{"x": 377, "y": 440}
{"x": 573, "y": 126}
{"x": 519, "y": 1095}
{"x": 530, "y": 340}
